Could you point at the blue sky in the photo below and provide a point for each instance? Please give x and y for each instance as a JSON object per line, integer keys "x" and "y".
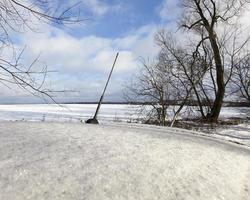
{"x": 129, "y": 15}
{"x": 83, "y": 53}
{"x": 117, "y": 18}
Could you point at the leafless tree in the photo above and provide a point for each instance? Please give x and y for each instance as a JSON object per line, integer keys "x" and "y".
{"x": 191, "y": 69}
{"x": 204, "y": 18}
{"x": 241, "y": 77}
{"x": 151, "y": 88}
{"x": 18, "y": 16}
{"x": 161, "y": 89}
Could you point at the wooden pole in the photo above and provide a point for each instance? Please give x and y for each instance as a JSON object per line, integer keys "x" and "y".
{"x": 94, "y": 120}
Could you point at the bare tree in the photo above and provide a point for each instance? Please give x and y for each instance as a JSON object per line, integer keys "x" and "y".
{"x": 191, "y": 68}
{"x": 18, "y": 16}
{"x": 204, "y": 18}
{"x": 161, "y": 89}
{"x": 151, "y": 88}
{"x": 241, "y": 77}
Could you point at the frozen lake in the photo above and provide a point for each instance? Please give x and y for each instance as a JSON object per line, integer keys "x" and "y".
{"x": 78, "y": 112}
{"x": 67, "y": 112}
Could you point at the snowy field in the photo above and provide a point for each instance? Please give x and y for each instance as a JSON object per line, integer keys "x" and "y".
{"x": 77, "y": 112}
{"x": 116, "y": 113}
{"x": 59, "y": 161}
{"x": 67, "y": 112}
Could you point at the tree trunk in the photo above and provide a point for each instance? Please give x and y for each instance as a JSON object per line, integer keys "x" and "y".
{"x": 215, "y": 111}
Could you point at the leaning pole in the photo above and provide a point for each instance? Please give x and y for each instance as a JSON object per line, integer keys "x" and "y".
{"x": 94, "y": 119}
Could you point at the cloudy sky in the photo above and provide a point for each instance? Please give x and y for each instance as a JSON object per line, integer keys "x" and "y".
{"x": 82, "y": 54}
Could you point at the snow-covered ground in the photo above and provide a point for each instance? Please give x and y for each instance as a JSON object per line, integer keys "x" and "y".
{"x": 67, "y": 112}
{"x": 239, "y": 134}
{"x": 117, "y": 114}
{"x": 77, "y": 112}
{"x": 48, "y": 160}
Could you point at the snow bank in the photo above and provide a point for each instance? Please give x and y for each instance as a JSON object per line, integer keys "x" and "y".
{"x": 79, "y": 161}
{"x": 238, "y": 133}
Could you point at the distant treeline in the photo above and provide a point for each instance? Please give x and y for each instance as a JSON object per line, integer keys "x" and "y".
{"x": 170, "y": 102}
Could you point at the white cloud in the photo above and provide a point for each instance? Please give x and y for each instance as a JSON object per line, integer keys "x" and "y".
{"x": 66, "y": 53}
{"x": 244, "y": 20}
{"x": 79, "y": 60}
{"x": 98, "y": 7}
{"x": 169, "y": 10}
{"x": 84, "y": 63}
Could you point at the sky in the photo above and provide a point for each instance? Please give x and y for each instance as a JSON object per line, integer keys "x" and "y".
{"x": 82, "y": 54}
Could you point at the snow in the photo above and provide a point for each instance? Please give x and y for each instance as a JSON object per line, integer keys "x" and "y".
{"x": 77, "y": 112}
{"x": 116, "y": 113}
{"x": 48, "y": 160}
{"x": 238, "y": 133}
{"x": 66, "y": 112}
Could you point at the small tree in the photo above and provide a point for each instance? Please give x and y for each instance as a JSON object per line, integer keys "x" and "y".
{"x": 161, "y": 90}
{"x": 151, "y": 88}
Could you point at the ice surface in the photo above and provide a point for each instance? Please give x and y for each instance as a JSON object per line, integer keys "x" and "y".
{"x": 45, "y": 160}
{"x": 77, "y": 112}
{"x": 67, "y": 112}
